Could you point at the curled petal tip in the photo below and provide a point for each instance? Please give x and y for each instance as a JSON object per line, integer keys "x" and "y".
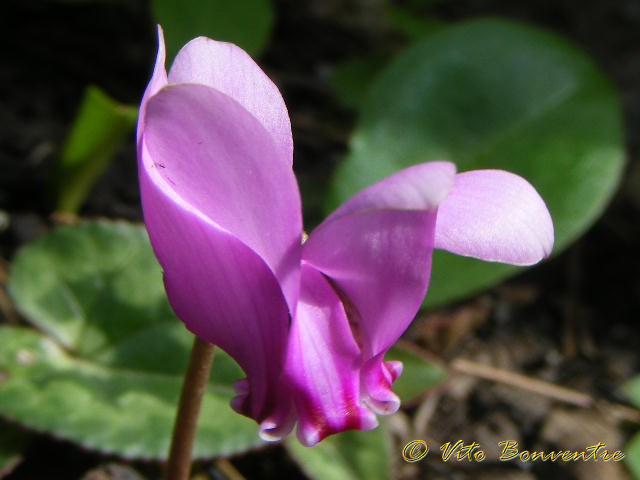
{"x": 269, "y": 432}
{"x": 387, "y": 406}
{"x": 376, "y": 378}
{"x": 277, "y": 427}
{"x": 394, "y": 367}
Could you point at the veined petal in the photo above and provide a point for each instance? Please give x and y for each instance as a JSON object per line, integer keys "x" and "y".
{"x": 229, "y": 69}
{"x": 380, "y": 260}
{"x": 158, "y": 80}
{"x": 376, "y": 248}
{"x": 209, "y": 151}
{"x": 494, "y": 215}
{"x": 323, "y": 364}
{"x": 224, "y": 293}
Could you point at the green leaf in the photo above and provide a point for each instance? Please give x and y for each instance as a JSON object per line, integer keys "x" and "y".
{"x": 107, "y": 371}
{"x": 352, "y": 455}
{"x": 12, "y": 444}
{"x": 247, "y": 23}
{"x": 98, "y": 131}
{"x": 418, "y": 373}
{"x": 491, "y": 93}
{"x": 351, "y": 78}
{"x": 632, "y": 456}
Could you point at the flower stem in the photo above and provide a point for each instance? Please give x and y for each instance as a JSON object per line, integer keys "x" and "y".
{"x": 184, "y": 428}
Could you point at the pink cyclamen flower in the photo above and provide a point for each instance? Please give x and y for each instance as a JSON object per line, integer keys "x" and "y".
{"x": 308, "y": 323}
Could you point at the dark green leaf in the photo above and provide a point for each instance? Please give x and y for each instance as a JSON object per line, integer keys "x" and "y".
{"x": 490, "y": 93}
{"x": 247, "y": 23}
{"x": 107, "y": 371}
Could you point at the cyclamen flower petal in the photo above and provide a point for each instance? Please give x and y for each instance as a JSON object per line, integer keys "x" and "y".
{"x": 158, "y": 80}
{"x": 377, "y": 247}
{"x": 261, "y": 180}
{"x": 202, "y": 287}
{"x": 213, "y": 233}
{"x": 309, "y": 324}
{"x": 420, "y": 187}
{"x": 228, "y": 69}
{"x": 323, "y": 364}
{"x": 381, "y": 266}
{"x": 496, "y": 216}
{"x": 191, "y": 128}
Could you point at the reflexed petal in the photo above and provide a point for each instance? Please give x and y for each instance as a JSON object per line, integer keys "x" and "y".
{"x": 217, "y": 158}
{"x": 420, "y": 187}
{"x": 223, "y": 291}
{"x": 380, "y": 260}
{"x": 494, "y": 215}
{"x": 231, "y": 70}
{"x": 376, "y": 248}
{"x": 323, "y": 364}
{"x": 158, "y": 80}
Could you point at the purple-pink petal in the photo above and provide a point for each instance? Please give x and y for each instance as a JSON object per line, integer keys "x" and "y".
{"x": 376, "y": 248}
{"x": 158, "y": 80}
{"x": 223, "y": 291}
{"x": 496, "y": 216}
{"x": 228, "y": 69}
{"x": 217, "y": 158}
{"x": 323, "y": 364}
{"x": 420, "y": 187}
{"x": 380, "y": 260}
{"x": 376, "y": 378}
